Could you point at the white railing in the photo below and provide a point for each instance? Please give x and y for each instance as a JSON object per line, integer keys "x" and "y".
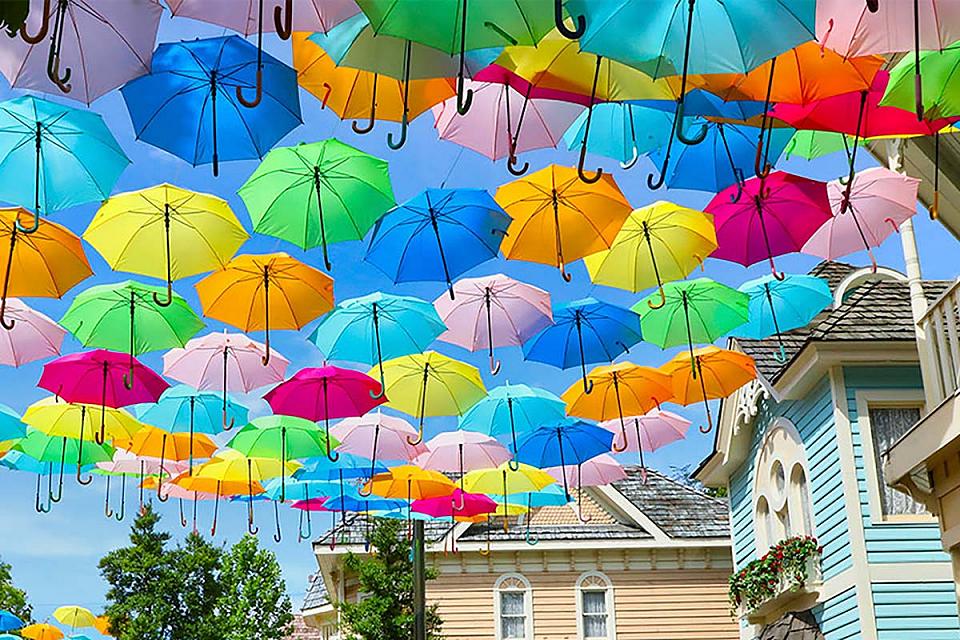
{"x": 941, "y": 327}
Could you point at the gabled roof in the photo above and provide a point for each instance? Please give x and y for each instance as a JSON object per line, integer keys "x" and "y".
{"x": 678, "y": 510}
{"x": 299, "y": 630}
{"x": 316, "y": 595}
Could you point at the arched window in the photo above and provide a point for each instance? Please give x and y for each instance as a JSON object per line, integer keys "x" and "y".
{"x": 782, "y": 496}
{"x": 801, "y": 493}
{"x": 595, "y": 615}
{"x": 513, "y": 608}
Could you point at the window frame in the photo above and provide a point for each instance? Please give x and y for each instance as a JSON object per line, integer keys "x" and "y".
{"x": 498, "y": 589}
{"x": 609, "y": 609}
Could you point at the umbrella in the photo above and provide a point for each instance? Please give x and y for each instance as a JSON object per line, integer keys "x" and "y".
{"x": 58, "y": 449}
{"x": 257, "y": 292}
{"x": 99, "y": 377}
{"x": 407, "y": 243}
{"x": 377, "y": 435}
{"x": 233, "y": 474}
{"x": 124, "y": 464}
{"x": 165, "y": 232}
{"x": 602, "y": 470}
{"x": 221, "y": 361}
{"x": 707, "y": 309}
{"x": 777, "y": 306}
{"x": 164, "y": 445}
{"x": 410, "y": 483}
{"x": 775, "y": 215}
{"x": 810, "y": 144}
{"x": 505, "y": 481}
{"x": 471, "y": 504}
{"x": 460, "y": 451}
{"x": 879, "y": 201}
{"x": 41, "y": 631}
{"x": 103, "y": 625}
{"x": 652, "y": 430}
{"x": 33, "y": 336}
{"x": 322, "y": 393}
{"x": 94, "y": 47}
{"x": 377, "y": 326}
{"x": 49, "y": 262}
{"x": 621, "y": 131}
{"x": 662, "y": 241}
{"x": 11, "y": 428}
{"x": 316, "y": 194}
{"x": 431, "y": 384}
{"x": 710, "y": 372}
{"x": 584, "y": 332}
{"x": 55, "y": 157}
{"x": 9, "y": 621}
{"x": 568, "y": 441}
{"x": 512, "y": 409}
{"x": 941, "y": 73}
{"x": 584, "y": 218}
{"x": 175, "y": 106}
{"x": 130, "y": 316}
{"x": 313, "y": 15}
{"x": 74, "y": 616}
{"x": 512, "y": 312}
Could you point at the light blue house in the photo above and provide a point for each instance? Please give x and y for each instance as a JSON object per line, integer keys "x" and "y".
{"x": 800, "y": 452}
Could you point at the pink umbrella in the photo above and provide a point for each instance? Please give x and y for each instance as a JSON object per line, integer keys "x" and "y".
{"x": 94, "y": 46}
{"x": 773, "y": 216}
{"x": 460, "y": 451}
{"x": 597, "y": 471}
{"x": 125, "y": 463}
{"x": 313, "y": 504}
{"x": 472, "y": 504}
{"x": 322, "y": 393}
{"x": 97, "y": 377}
{"x": 222, "y": 361}
{"x": 880, "y": 201}
{"x": 34, "y": 336}
{"x": 377, "y": 435}
{"x": 529, "y": 91}
{"x": 493, "y": 311}
{"x": 651, "y": 431}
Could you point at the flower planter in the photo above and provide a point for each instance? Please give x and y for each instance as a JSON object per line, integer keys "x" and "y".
{"x": 787, "y": 577}
{"x": 786, "y": 593}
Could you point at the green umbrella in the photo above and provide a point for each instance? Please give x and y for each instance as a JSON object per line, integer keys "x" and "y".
{"x": 695, "y": 311}
{"x": 940, "y": 88}
{"x": 810, "y": 144}
{"x": 352, "y": 188}
{"x": 125, "y": 317}
{"x": 60, "y": 449}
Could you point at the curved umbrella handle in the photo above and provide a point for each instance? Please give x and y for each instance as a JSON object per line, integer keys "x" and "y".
{"x": 781, "y": 354}
{"x": 258, "y": 94}
{"x": 709, "y": 419}
{"x": 161, "y": 302}
{"x": 32, "y": 228}
{"x": 580, "y": 515}
{"x": 183, "y": 518}
{"x": 463, "y": 503}
{"x": 619, "y": 449}
{"x": 278, "y": 535}
{"x": 531, "y": 538}
{"x": 252, "y": 529}
{"x": 373, "y": 108}
{"x": 738, "y": 174}
{"x": 632, "y": 161}
{"x": 418, "y": 439}
{"x": 663, "y": 299}
{"x": 216, "y": 509}
{"x": 37, "y": 506}
{"x": 690, "y": 141}
{"x": 873, "y": 6}
{"x": 283, "y": 20}
{"x": 107, "y": 511}
{"x": 655, "y": 183}
{"x": 779, "y": 275}
{"x": 494, "y": 366}
{"x": 6, "y": 324}
{"x": 332, "y": 455}
{"x": 397, "y": 144}
{"x": 464, "y": 96}
{"x": 512, "y": 162}
{"x": 123, "y": 499}
{"x": 583, "y": 158}
{"x": 53, "y": 72}
{"x": 80, "y": 479}
{"x": 563, "y": 273}
{"x": 587, "y": 386}
{"x": 383, "y": 384}
{"x": 44, "y": 27}
{"x": 565, "y": 31}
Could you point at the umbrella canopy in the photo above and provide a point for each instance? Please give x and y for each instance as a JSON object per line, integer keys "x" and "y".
{"x": 507, "y": 481}
{"x": 621, "y": 131}
{"x": 74, "y": 616}
{"x": 10, "y": 622}
{"x": 312, "y": 15}
{"x": 470, "y": 504}
{"x": 283, "y": 438}
{"x": 33, "y": 336}
{"x": 57, "y": 418}
{"x": 810, "y": 144}
{"x": 408, "y": 244}
{"x": 569, "y": 441}
{"x": 593, "y": 473}
{"x": 941, "y": 73}
{"x": 41, "y": 631}
{"x": 493, "y": 311}
{"x": 377, "y": 436}
{"x": 317, "y": 194}
{"x": 652, "y": 430}
{"x": 853, "y": 29}
{"x": 460, "y": 451}
{"x": 11, "y": 428}
{"x": 409, "y": 482}
{"x": 777, "y": 306}
{"x": 709, "y": 372}
{"x": 152, "y": 442}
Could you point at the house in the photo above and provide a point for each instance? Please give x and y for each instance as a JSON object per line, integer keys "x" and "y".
{"x": 800, "y": 450}
{"x": 651, "y": 562}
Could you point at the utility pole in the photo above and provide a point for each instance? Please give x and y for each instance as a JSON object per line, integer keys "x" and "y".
{"x": 419, "y": 583}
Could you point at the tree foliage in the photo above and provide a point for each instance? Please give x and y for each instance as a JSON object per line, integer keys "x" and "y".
{"x": 254, "y": 603}
{"x": 13, "y": 599}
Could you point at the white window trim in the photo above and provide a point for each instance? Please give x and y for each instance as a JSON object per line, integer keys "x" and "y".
{"x": 527, "y": 605}
{"x": 759, "y": 532}
{"x": 884, "y": 398}
{"x": 611, "y": 613}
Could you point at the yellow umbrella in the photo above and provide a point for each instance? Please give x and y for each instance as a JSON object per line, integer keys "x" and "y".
{"x": 165, "y": 232}
{"x": 41, "y": 631}
{"x": 257, "y": 292}
{"x": 557, "y": 218}
{"x": 75, "y": 616}
{"x": 505, "y": 481}
{"x": 657, "y": 243}
{"x": 716, "y": 373}
{"x": 153, "y": 442}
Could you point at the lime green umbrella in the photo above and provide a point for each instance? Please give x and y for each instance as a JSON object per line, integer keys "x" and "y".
{"x": 63, "y": 451}
{"x": 316, "y": 194}
{"x": 125, "y": 317}
{"x": 811, "y": 144}
{"x": 695, "y": 311}
{"x": 940, "y": 85}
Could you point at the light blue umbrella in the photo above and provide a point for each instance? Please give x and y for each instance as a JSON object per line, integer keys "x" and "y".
{"x": 10, "y": 622}
{"x": 377, "y": 327}
{"x": 11, "y": 427}
{"x": 438, "y": 235}
{"x": 777, "y": 306}
{"x": 55, "y": 157}
{"x": 621, "y": 131}
{"x": 348, "y": 466}
{"x": 360, "y": 505}
{"x": 699, "y": 102}
{"x": 298, "y": 489}
{"x": 568, "y": 441}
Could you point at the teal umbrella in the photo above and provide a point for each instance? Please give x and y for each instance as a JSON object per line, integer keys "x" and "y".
{"x": 777, "y": 306}
{"x": 621, "y": 131}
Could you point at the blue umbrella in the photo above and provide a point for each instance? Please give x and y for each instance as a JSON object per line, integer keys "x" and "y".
{"x": 584, "y": 332}
{"x": 10, "y": 622}
{"x": 55, "y": 157}
{"x": 511, "y": 409}
{"x": 781, "y": 305}
{"x": 699, "y": 102}
{"x": 567, "y": 441}
{"x": 11, "y": 427}
{"x": 377, "y": 327}
{"x": 348, "y": 466}
{"x": 361, "y": 505}
{"x": 621, "y": 131}
{"x": 438, "y": 235}
{"x": 188, "y": 104}
{"x": 19, "y": 461}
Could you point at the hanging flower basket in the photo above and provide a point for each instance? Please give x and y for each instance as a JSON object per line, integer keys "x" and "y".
{"x": 786, "y": 570}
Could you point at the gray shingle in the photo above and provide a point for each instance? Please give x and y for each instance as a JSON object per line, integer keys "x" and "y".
{"x": 680, "y": 511}
{"x": 316, "y": 595}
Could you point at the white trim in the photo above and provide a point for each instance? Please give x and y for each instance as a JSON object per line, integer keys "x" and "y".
{"x": 527, "y": 604}
{"x": 631, "y": 511}
{"x": 609, "y": 606}
{"x": 862, "y": 276}
{"x": 321, "y": 550}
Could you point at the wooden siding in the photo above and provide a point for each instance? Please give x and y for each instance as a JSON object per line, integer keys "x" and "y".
{"x": 838, "y": 617}
{"x": 916, "y": 611}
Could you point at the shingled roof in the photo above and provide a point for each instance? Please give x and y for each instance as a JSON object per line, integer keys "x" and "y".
{"x": 316, "y": 595}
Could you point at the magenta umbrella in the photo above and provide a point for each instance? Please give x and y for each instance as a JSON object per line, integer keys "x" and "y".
{"x": 472, "y": 504}
{"x": 493, "y": 311}
{"x": 595, "y": 472}
{"x": 222, "y": 361}
{"x": 378, "y": 436}
{"x": 322, "y": 393}
{"x": 773, "y": 216}
{"x": 880, "y": 201}
{"x": 34, "y": 336}
{"x": 654, "y": 429}
{"x": 97, "y": 377}
{"x": 461, "y": 451}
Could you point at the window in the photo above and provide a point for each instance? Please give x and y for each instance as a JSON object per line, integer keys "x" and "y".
{"x": 887, "y": 424}
{"x": 782, "y": 507}
{"x": 512, "y": 607}
{"x": 595, "y": 607}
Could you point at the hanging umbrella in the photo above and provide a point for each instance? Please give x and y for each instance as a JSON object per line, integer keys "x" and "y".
{"x": 774, "y": 215}
{"x": 777, "y": 306}
{"x": 126, "y": 464}
{"x": 41, "y": 631}
{"x": 58, "y": 450}
{"x": 662, "y": 241}
{"x": 407, "y": 243}
{"x": 461, "y": 451}
{"x": 175, "y": 107}
{"x": 11, "y": 428}
{"x": 18, "y": 461}
{"x": 74, "y": 616}
{"x": 49, "y": 262}
{"x": 431, "y": 384}
{"x": 652, "y": 430}
{"x": 941, "y": 68}
{"x": 377, "y": 326}
{"x": 377, "y": 436}
{"x": 55, "y": 157}
{"x": 9, "y": 621}
{"x": 471, "y": 504}
{"x": 130, "y": 316}
{"x": 569, "y": 441}
{"x": 317, "y": 194}
{"x": 493, "y": 311}
{"x": 599, "y": 471}
{"x": 506, "y": 481}
{"x": 257, "y": 292}
{"x": 165, "y": 232}
{"x": 621, "y": 131}
{"x": 34, "y": 336}
{"x": 410, "y": 483}
{"x": 232, "y": 474}
{"x": 584, "y": 332}
{"x": 709, "y": 372}
{"x": 169, "y": 490}
{"x": 222, "y": 361}
{"x": 810, "y": 144}
{"x": 583, "y": 218}
{"x": 322, "y": 393}
{"x": 153, "y": 442}
{"x": 313, "y": 15}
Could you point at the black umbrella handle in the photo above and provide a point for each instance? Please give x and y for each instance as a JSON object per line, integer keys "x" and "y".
{"x": 443, "y": 256}
{"x": 513, "y": 463}
{"x": 781, "y": 355}
{"x": 423, "y": 405}
{"x": 166, "y": 233}
{"x": 848, "y": 180}
{"x": 761, "y": 166}
{"x": 686, "y": 320}
{"x": 56, "y": 44}
{"x": 278, "y": 535}
{"x": 318, "y": 189}
{"x": 213, "y": 115}
{"x": 706, "y": 400}
{"x": 373, "y": 463}
{"x": 252, "y": 529}
{"x": 655, "y": 183}
{"x": 656, "y": 269}
{"x": 397, "y": 144}
{"x": 376, "y": 336}
{"x": 107, "y": 511}
{"x": 101, "y": 436}
{"x": 44, "y": 26}
{"x": 587, "y": 384}
{"x": 373, "y": 108}
{"x": 494, "y": 364}
{"x": 565, "y": 31}
{"x": 555, "y": 201}
{"x": 128, "y": 376}
{"x": 758, "y": 200}
{"x": 513, "y": 137}
{"x": 283, "y": 20}
{"x": 8, "y": 324}
{"x": 258, "y": 95}
{"x": 332, "y": 455}
{"x": 83, "y": 419}
{"x": 586, "y": 132}
{"x": 464, "y": 97}
{"x": 123, "y": 499}
{"x": 266, "y": 313}
{"x": 38, "y": 147}
{"x": 216, "y": 510}
{"x": 183, "y": 518}
{"x": 163, "y": 452}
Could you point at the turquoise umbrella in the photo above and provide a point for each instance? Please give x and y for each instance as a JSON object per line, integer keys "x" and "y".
{"x": 621, "y": 131}
{"x": 10, "y": 425}
{"x": 777, "y": 306}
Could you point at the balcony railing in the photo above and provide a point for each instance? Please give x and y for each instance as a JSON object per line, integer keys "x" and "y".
{"x": 941, "y": 326}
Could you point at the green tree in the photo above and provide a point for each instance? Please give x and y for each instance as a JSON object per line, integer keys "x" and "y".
{"x": 13, "y": 599}
{"x": 196, "y": 568}
{"x": 386, "y": 580}
{"x": 253, "y": 604}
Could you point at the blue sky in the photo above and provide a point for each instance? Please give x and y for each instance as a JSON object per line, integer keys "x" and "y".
{"x": 54, "y": 555}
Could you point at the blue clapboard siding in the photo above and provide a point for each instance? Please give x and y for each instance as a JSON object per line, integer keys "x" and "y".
{"x": 916, "y": 611}
{"x": 893, "y": 542}
{"x": 838, "y": 617}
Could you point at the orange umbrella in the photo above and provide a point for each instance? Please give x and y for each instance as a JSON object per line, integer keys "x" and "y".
{"x": 102, "y": 625}
{"x": 42, "y": 631}
{"x": 152, "y": 442}
{"x": 218, "y": 487}
{"x": 410, "y": 482}
{"x": 257, "y": 292}
{"x": 716, "y": 373}
{"x": 46, "y": 263}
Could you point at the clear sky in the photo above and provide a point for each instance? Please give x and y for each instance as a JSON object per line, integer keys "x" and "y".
{"x": 54, "y": 555}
